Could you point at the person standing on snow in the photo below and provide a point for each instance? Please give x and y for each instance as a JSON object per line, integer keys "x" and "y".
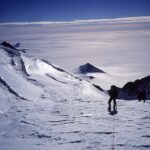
{"x": 141, "y": 95}
{"x": 113, "y": 93}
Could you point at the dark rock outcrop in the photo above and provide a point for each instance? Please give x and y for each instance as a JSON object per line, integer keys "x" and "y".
{"x": 10, "y": 89}
{"x": 4, "y": 43}
{"x": 131, "y": 89}
{"x": 11, "y": 50}
{"x": 98, "y": 87}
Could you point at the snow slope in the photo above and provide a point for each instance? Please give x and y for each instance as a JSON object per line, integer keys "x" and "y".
{"x": 45, "y": 107}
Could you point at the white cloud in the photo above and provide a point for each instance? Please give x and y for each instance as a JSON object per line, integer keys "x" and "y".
{"x": 141, "y": 19}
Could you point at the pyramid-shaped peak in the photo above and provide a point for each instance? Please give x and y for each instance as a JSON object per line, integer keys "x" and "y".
{"x": 89, "y": 68}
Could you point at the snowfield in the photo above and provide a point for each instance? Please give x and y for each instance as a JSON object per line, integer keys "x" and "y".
{"x": 44, "y": 107}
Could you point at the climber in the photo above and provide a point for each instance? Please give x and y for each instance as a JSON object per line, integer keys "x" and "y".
{"x": 113, "y": 93}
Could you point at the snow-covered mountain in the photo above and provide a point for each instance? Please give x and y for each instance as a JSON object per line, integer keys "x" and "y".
{"x": 45, "y": 107}
{"x": 29, "y": 78}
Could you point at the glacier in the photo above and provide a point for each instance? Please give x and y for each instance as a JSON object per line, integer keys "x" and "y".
{"x": 45, "y": 107}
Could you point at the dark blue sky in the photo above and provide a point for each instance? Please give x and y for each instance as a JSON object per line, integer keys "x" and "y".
{"x": 61, "y": 10}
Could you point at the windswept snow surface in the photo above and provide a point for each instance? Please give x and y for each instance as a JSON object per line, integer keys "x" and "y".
{"x": 79, "y": 121}
{"x": 19, "y": 84}
{"x": 64, "y": 112}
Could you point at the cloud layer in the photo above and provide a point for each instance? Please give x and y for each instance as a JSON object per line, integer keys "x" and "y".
{"x": 142, "y": 19}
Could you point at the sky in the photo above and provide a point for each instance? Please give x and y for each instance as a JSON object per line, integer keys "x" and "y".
{"x": 64, "y": 10}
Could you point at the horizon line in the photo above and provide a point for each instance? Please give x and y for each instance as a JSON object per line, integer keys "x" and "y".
{"x": 82, "y": 21}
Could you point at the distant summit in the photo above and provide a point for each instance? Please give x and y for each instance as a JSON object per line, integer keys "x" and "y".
{"x": 89, "y": 68}
{"x": 6, "y": 44}
{"x": 12, "y": 49}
